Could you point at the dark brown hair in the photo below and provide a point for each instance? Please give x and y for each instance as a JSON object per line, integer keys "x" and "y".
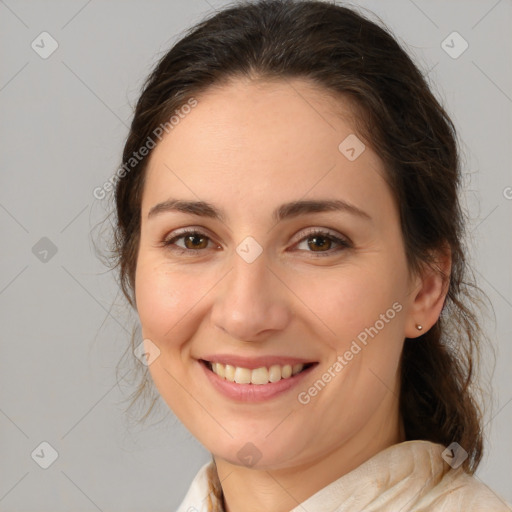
{"x": 344, "y": 54}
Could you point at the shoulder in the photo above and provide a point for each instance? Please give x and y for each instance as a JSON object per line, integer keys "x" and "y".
{"x": 446, "y": 489}
{"x": 459, "y": 491}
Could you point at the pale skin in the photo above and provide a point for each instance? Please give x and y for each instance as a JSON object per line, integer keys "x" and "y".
{"x": 247, "y": 148}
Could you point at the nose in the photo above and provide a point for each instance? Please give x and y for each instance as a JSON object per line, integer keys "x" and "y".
{"x": 251, "y": 301}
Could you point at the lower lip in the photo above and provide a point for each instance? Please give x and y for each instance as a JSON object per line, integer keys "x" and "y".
{"x": 253, "y": 392}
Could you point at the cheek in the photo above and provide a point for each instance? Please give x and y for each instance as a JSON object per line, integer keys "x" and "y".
{"x": 163, "y": 298}
{"x": 348, "y": 301}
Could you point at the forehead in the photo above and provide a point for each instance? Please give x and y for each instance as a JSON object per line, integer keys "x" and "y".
{"x": 263, "y": 140}
{"x": 255, "y": 119}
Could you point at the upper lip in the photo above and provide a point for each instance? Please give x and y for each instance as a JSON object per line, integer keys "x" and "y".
{"x": 252, "y": 363}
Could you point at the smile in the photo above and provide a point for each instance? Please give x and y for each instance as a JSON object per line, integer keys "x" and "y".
{"x": 257, "y": 376}
{"x": 254, "y": 380}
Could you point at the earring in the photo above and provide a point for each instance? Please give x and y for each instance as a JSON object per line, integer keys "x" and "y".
{"x": 419, "y": 327}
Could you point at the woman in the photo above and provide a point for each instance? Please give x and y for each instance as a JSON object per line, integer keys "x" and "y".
{"x": 289, "y": 232}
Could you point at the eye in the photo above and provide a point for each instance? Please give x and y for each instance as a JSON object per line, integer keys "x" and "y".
{"x": 317, "y": 240}
{"x": 194, "y": 241}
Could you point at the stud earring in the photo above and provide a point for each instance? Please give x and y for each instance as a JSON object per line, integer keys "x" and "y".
{"x": 419, "y": 327}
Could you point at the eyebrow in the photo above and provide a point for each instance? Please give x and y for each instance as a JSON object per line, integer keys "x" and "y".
{"x": 285, "y": 211}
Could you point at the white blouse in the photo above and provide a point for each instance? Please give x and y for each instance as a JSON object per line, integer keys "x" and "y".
{"x": 407, "y": 477}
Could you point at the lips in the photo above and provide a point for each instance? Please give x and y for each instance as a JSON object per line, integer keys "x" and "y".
{"x": 252, "y": 363}
{"x": 255, "y": 372}
{"x": 255, "y": 379}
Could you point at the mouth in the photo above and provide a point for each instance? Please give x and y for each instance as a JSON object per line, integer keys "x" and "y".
{"x": 260, "y": 376}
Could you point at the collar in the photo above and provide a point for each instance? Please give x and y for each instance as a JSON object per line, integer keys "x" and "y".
{"x": 409, "y": 476}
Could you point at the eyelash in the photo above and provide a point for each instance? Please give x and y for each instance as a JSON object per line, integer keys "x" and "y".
{"x": 343, "y": 243}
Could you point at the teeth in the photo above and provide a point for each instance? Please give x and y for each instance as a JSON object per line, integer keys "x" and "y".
{"x": 296, "y": 368}
{"x": 257, "y": 376}
{"x": 242, "y": 375}
{"x": 229, "y": 372}
{"x": 274, "y": 373}
{"x": 286, "y": 371}
{"x": 219, "y": 369}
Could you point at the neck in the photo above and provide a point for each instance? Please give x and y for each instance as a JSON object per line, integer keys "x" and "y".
{"x": 281, "y": 490}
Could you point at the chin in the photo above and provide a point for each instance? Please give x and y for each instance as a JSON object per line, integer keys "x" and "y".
{"x": 258, "y": 454}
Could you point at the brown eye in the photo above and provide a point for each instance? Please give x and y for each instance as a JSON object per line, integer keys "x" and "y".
{"x": 193, "y": 241}
{"x": 320, "y": 243}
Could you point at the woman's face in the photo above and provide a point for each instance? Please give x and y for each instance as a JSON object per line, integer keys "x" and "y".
{"x": 263, "y": 288}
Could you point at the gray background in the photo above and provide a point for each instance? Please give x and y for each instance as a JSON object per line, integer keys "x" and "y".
{"x": 64, "y": 326}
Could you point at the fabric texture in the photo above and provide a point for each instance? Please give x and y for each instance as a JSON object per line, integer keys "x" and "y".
{"x": 407, "y": 477}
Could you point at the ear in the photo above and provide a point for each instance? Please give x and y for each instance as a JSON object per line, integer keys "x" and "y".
{"x": 429, "y": 291}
